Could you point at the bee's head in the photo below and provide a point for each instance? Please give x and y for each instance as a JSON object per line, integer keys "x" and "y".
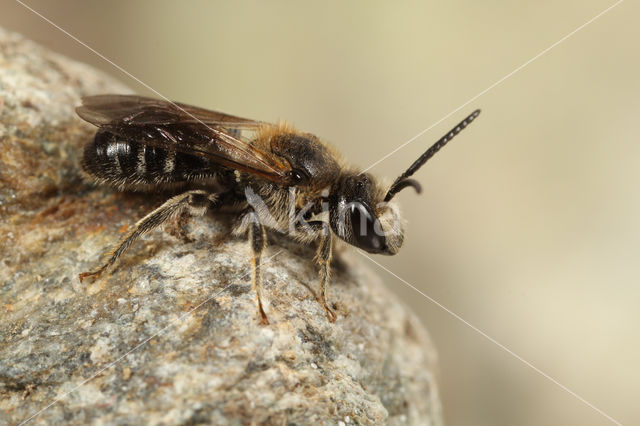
{"x": 360, "y": 216}
{"x": 364, "y": 215}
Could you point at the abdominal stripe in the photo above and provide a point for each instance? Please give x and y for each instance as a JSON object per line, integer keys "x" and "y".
{"x": 128, "y": 162}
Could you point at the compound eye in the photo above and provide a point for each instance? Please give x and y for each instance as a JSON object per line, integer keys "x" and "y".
{"x": 364, "y": 230}
{"x": 298, "y": 177}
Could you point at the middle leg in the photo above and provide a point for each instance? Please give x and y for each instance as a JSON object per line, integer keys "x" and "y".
{"x": 258, "y": 241}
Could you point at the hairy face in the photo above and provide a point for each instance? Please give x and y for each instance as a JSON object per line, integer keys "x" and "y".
{"x": 359, "y": 216}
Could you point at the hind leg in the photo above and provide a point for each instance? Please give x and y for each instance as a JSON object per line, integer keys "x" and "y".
{"x": 193, "y": 202}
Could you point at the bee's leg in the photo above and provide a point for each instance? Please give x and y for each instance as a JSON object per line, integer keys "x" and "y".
{"x": 194, "y": 202}
{"x": 323, "y": 257}
{"x": 178, "y": 227}
{"x": 258, "y": 241}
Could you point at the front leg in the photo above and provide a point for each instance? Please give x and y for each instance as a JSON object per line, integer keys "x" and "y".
{"x": 323, "y": 257}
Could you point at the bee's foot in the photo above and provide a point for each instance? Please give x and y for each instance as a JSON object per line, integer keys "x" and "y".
{"x": 331, "y": 316}
{"x": 263, "y": 318}
{"x": 263, "y": 315}
{"x": 93, "y": 274}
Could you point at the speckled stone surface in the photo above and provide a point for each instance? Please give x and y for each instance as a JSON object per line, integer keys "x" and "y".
{"x": 171, "y": 336}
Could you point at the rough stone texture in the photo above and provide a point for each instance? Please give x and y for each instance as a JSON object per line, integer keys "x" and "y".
{"x": 171, "y": 336}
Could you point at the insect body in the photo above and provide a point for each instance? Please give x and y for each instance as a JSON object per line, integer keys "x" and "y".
{"x": 274, "y": 176}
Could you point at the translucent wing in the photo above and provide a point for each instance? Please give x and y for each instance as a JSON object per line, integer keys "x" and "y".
{"x": 185, "y": 128}
{"x": 138, "y": 110}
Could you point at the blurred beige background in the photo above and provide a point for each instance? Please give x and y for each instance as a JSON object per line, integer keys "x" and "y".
{"x": 528, "y": 225}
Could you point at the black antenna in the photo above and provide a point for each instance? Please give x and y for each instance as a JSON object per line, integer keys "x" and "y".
{"x": 402, "y": 181}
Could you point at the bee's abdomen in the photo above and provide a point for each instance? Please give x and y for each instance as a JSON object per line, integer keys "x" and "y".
{"x": 129, "y": 163}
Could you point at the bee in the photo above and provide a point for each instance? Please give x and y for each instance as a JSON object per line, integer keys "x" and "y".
{"x": 274, "y": 176}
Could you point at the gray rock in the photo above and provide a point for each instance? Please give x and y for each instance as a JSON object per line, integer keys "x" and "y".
{"x": 171, "y": 335}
